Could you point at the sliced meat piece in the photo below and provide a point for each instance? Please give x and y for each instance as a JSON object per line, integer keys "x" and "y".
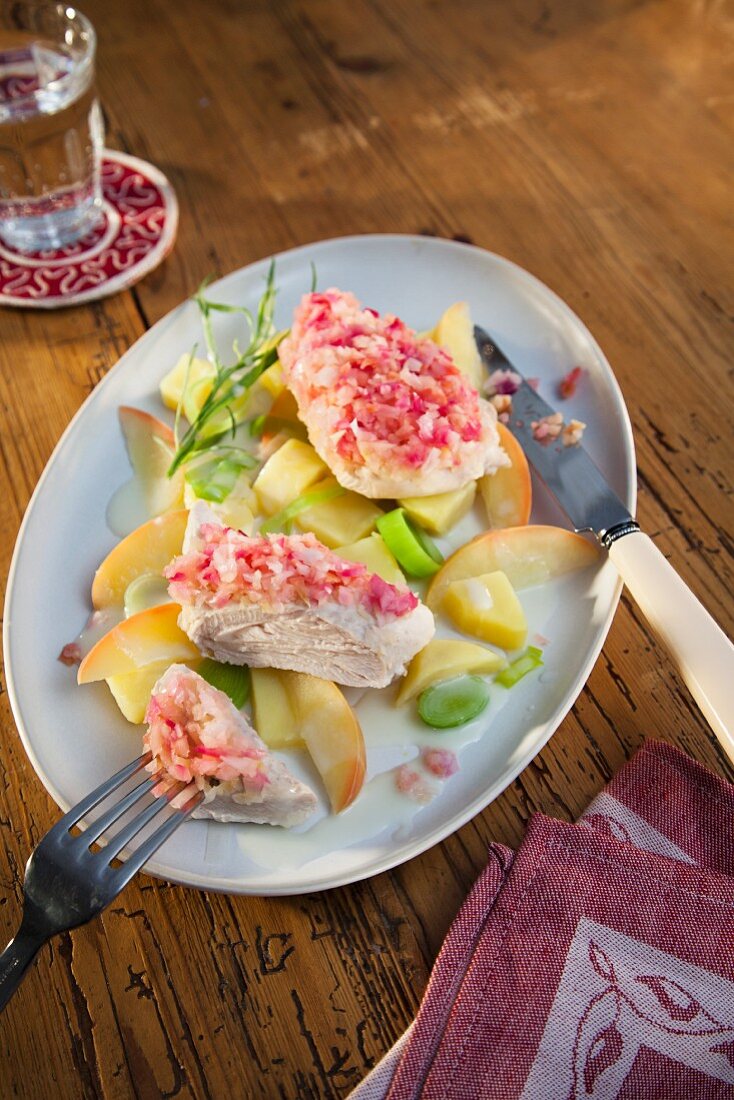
{"x": 286, "y": 601}
{"x": 197, "y": 735}
{"x": 389, "y": 412}
{"x": 332, "y": 642}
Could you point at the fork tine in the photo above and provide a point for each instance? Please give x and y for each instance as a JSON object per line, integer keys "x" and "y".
{"x": 117, "y": 842}
{"x": 103, "y": 822}
{"x": 142, "y": 854}
{"x": 77, "y": 812}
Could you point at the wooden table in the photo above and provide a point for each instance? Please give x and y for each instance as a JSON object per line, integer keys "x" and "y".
{"x": 590, "y": 143}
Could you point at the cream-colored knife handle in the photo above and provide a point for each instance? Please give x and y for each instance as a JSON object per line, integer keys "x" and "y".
{"x": 703, "y": 651}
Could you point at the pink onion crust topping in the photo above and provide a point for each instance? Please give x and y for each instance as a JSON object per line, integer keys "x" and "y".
{"x": 376, "y": 387}
{"x": 193, "y": 734}
{"x": 277, "y": 571}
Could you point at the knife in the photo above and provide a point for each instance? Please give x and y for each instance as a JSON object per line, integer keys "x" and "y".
{"x": 703, "y": 652}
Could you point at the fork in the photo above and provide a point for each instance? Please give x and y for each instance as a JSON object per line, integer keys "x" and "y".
{"x": 67, "y": 883}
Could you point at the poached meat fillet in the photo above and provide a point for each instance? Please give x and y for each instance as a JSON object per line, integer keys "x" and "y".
{"x": 387, "y": 411}
{"x": 197, "y": 735}
{"x": 286, "y": 601}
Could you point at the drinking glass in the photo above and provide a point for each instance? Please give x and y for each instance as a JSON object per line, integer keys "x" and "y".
{"x": 51, "y": 130}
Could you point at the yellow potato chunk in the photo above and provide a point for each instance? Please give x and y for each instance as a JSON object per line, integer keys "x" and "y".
{"x": 373, "y": 552}
{"x": 437, "y": 514}
{"x": 487, "y": 607}
{"x": 132, "y": 690}
{"x": 196, "y": 377}
{"x": 272, "y": 379}
{"x": 293, "y": 468}
{"x": 274, "y": 716}
{"x": 236, "y": 512}
{"x": 455, "y": 333}
{"x": 443, "y": 658}
{"x": 337, "y": 521}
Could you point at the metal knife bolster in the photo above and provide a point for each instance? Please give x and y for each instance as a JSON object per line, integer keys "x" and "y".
{"x": 606, "y": 538}
{"x": 569, "y": 472}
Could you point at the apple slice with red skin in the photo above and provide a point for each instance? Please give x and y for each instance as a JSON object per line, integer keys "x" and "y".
{"x": 148, "y": 549}
{"x": 150, "y": 636}
{"x": 508, "y": 493}
{"x": 527, "y": 555}
{"x": 332, "y": 734}
{"x": 151, "y": 446}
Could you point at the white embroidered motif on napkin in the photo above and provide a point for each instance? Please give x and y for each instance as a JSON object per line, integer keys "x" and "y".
{"x": 635, "y": 1013}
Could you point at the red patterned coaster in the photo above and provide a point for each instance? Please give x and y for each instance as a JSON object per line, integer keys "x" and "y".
{"x": 137, "y": 232}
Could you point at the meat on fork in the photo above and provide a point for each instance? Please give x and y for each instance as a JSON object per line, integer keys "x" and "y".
{"x": 197, "y": 735}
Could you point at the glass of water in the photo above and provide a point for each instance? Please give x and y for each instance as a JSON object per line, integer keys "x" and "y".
{"x": 51, "y": 131}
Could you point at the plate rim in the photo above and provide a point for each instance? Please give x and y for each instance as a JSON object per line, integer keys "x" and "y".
{"x": 441, "y": 832}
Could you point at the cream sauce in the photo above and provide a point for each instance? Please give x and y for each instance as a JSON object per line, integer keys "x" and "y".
{"x": 97, "y": 625}
{"x": 379, "y": 804}
{"x": 127, "y": 508}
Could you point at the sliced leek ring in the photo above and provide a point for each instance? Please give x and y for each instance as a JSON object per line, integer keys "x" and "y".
{"x": 453, "y": 702}
{"x": 233, "y": 680}
{"x": 415, "y": 551}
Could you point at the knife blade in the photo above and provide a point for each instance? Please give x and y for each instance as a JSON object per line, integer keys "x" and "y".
{"x": 703, "y": 652}
{"x": 570, "y": 473}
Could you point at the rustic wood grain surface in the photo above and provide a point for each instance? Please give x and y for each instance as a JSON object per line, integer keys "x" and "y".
{"x": 590, "y": 143}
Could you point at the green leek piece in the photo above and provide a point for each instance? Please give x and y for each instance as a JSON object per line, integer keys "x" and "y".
{"x": 257, "y": 426}
{"x": 282, "y": 519}
{"x": 214, "y": 480}
{"x": 531, "y": 659}
{"x": 233, "y": 680}
{"x": 415, "y": 552}
{"x": 453, "y": 702}
{"x": 147, "y": 590}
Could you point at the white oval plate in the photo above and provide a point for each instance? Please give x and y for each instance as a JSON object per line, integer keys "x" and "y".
{"x": 75, "y": 737}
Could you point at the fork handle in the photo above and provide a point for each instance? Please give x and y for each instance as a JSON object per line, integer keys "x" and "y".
{"x": 15, "y": 960}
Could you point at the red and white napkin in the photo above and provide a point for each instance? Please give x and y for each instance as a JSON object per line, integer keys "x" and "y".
{"x": 597, "y": 962}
